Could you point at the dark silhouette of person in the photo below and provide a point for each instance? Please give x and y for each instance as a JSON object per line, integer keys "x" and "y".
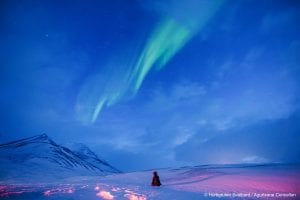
{"x": 155, "y": 180}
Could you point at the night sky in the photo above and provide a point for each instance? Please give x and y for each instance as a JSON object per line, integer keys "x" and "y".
{"x": 149, "y": 83}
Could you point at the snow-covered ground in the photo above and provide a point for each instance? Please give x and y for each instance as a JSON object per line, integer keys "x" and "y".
{"x": 200, "y": 182}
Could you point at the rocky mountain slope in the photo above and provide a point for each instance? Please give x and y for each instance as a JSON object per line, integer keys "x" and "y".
{"x": 40, "y": 157}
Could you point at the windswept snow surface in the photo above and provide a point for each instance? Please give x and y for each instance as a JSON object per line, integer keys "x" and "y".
{"x": 200, "y": 182}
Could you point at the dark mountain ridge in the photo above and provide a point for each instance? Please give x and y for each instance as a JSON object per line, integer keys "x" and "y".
{"x": 40, "y": 156}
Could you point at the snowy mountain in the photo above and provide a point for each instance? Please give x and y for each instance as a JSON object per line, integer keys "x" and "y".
{"x": 40, "y": 157}
{"x": 85, "y": 153}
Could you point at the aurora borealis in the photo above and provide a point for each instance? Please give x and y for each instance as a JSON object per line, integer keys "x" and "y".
{"x": 179, "y": 82}
{"x": 166, "y": 40}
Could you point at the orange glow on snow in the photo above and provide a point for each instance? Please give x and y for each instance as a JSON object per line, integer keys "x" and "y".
{"x": 134, "y": 197}
{"x": 105, "y": 195}
{"x": 130, "y": 195}
{"x": 62, "y": 190}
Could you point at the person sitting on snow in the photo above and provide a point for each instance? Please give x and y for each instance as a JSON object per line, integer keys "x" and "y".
{"x": 155, "y": 180}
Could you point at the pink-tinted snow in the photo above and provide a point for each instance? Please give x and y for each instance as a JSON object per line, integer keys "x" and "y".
{"x": 184, "y": 183}
{"x": 242, "y": 181}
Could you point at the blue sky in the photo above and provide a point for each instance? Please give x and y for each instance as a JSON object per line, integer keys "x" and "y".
{"x": 150, "y": 84}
